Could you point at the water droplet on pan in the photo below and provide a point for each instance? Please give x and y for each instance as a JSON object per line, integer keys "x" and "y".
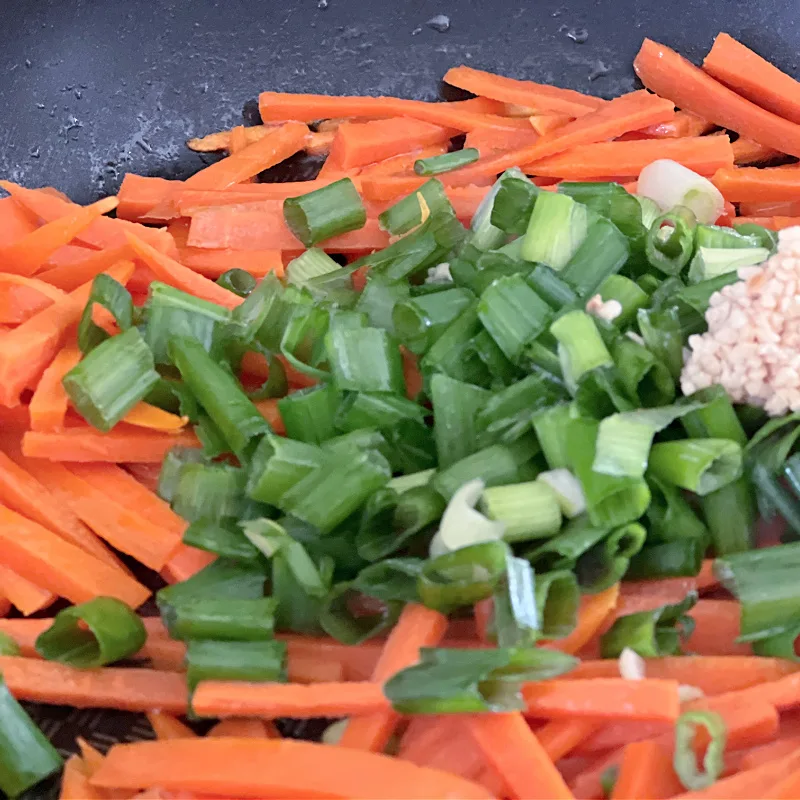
{"x": 578, "y": 35}
{"x": 439, "y": 23}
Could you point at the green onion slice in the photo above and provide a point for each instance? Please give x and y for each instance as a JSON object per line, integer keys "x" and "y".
{"x": 685, "y": 760}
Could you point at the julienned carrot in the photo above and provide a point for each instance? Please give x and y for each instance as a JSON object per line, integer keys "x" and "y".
{"x": 356, "y": 145}
{"x": 123, "y": 444}
{"x": 274, "y": 700}
{"x": 769, "y": 752}
{"x": 404, "y": 162}
{"x": 560, "y": 737}
{"x": 143, "y": 415}
{"x": 165, "y": 726}
{"x": 26, "y": 597}
{"x": 316, "y": 143}
{"x": 15, "y": 221}
{"x": 547, "y": 123}
{"x": 670, "y": 75}
{"x": 417, "y": 627}
{"x": 357, "y": 663}
{"x": 21, "y": 297}
{"x": 139, "y": 194}
{"x": 634, "y": 593}
{"x": 625, "y": 113}
{"x": 773, "y": 223}
{"x": 537, "y": 96}
{"x": 682, "y": 124}
{"x": 212, "y": 263}
{"x": 488, "y": 141}
{"x": 28, "y": 349}
{"x": 245, "y": 729}
{"x": 595, "y": 609}
{"x": 186, "y": 561}
{"x": 783, "y": 693}
{"x": 703, "y": 154}
{"x": 174, "y": 273}
{"x": 276, "y": 768}
{"x": 716, "y": 629}
{"x": 646, "y": 771}
{"x": 27, "y": 255}
{"x": 48, "y": 406}
{"x": 753, "y": 77}
{"x": 786, "y": 788}
{"x": 92, "y": 757}
{"x": 311, "y": 670}
{"x": 127, "y": 689}
{"x": 513, "y": 750}
{"x": 771, "y": 208}
{"x": 607, "y": 698}
{"x": 75, "y": 782}
{"x": 147, "y": 474}
{"x": 69, "y": 277}
{"x": 758, "y": 185}
{"x": 746, "y": 151}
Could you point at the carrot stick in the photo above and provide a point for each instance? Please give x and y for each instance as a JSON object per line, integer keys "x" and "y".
{"x": 417, "y": 627}
{"x": 488, "y": 141}
{"x": 175, "y": 274}
{"x": 146, "y": 474}
{"x": 311, "y": 670}
{"x": 758, "y": 185}
{"x": 787, "y": 788}
{"x": 27, "y": 255}
{"x": 15, "y": 221}
{"x": 26, "y": 597}
{"x": 273, "y": 700}
{"x": 783, "y": 693}
{"x": 245, "y": 729}
{"x": 186, "y": 561}
{"x": 594, "y": 611}
{"x": 625, "y": 113}
{"x": 560, "y": 737}
{"x": 21, "y": 297}
{"x": 139, "y": 194}
{"x": 769, "y": 752}
{"x": 513, "y": 750}
{"x": 123, "y": 444}
{"x": 165, "y": 726}
{"x": 667, "y": 74}
{"x": 143, "y": 415}
{"x": 27, "y": 350}
{"x": 771, "y": 208}
{"x": 773, "y": 223}
{"x": 677, "y": 588}
{"x": 212, "y": 263}
{"x": 608, "y": 698}
{"x": 746, "y": 151}
{"x": 717, "y": 627}
{"x": 404, "y": 162}
{"x": 70, "y": 276}
{"x": 646, "y": 771}
{"x": 39, "y": 555}
{"x": 546, "y": 123}
{"x": 49, "y": 403}
{"x": 537, "y": 96}
{"x": 702, "y": 154}
{"x": 357, "y": 662}
{"x": 75, "y": 782}
{"x": 316, "y": 143}
{"x": 682, "y": 124}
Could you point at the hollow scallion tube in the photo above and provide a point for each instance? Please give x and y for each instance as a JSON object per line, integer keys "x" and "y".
{"x": 684, "y": 759}
{"x": 670, "y": 241}
{"x": 603, "y": 252}
{"x": 114, "y": 298}
{"x": 407, "y": 213}
{"x": 365, "y": 359}
{"x": 419, "y": 321}
{"x": 580, "y": 344}
{"x": 607, "y": 562}
{"x": 222, "y": 537}
{"x": 627, "y": 293}
{"x": 278, "y": 464}
{"x": 260, "y": 661}
{"x": 677, "y": 558}
{"x": 436, "y": 165}
{"x": 330, "y": 211}
{"x": 563, "y": 551}
{"x": 238, "y": 281}
{"x": 551, "y": 425}
{"x": 557, "y": 228}
{"x": 513, "y": 204}
{"x": 222, "y": 619}
{"x": 529, "y": 510}
{"x": 699, "y": 465}
{"x": 308, "y": 414}
{"x": 209, "y": 491}
{"x": 644, "y": 376}
{"x": 455, "y": 410}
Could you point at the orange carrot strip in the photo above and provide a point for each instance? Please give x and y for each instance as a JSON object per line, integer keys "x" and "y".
{"x": 165, "y": 726}
{"x": 780, "y": 208}
{"x": 21, "y": 297}
{"x": 594, "y": 611}
{"x": 716, "y": 629}
{"x": 312, "y": 670}
{"x": 773, "y": 223}
{"x": 758, "y": 185}
{"x": 212, "y": 263}
{"x": 123, "y": 444}
{"x": 682, "y": 124}
{"x": 75, "y": 782}
{"x": 769, "y": 752}
{"x": 540, "y": 97}
{"x": 273, "y": 700}
{"x": 277, "y": 106}
{"x": 404, "y": 162}
{"x": 488, "y": 141}
{"x": 269, "y": 410}
{"x": 702, "y": 154}
{"x": 560, "y": 737}
{"x": 27, "y": 350}
{"x": 49, "y": 403}
{"x": 746, "y": 151}
{"x": 186, "y": 562}
{"x": 123, "y": 688}
{"x": 608, "y": 698}
{"x": 513, "y": 750}
{"x": 667, "y": 74}
{"x": 238, "y": 141}
{"x": 676, "y": 588}
{"x": 175, "y": 274}
{"x": 646, "y": 771}
{"x": 70, "y": 276}
{"x": 753, "y": 77}
{"x": 39, "y": 555}
{"x": 143, "y": 415}
{"x": 417, "y": 627}
{"x": 783, "y": 693}
{"x": 146, "y": 474}
{"x": 15, "y": 221}
{"x": 365, "y": 143}
{"x": 546, "y": 123}
{"x": 26, "y": 597}
{"x": 357, "y": 662}
{"x": 245, "y": 729}
{"x": 787, "y": 788}
{"x": 27, "y": 255}
{"x": 316, "y": 143}
{"x": 139, "y": 194}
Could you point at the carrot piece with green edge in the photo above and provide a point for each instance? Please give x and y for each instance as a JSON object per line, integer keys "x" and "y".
{"x": 404, "y": 162}
{"x": 746, "y": 151}
{"x": 245, "y": 729}
{"x": 27, "y": 350}
{"x": 175, "y": 274}
{"x": 21, "y": 297}
{"x": 123, "y": 444}
{"x": 773, "y": 223}
{"x": 607, "y": 698}
{"x": 753, "y": 77}
{"x": 29, "y": 254}
{"x": 165, "y": 726}
{"x": 682, "y": 124}
{"x": 417, "y": 627}
{"x": 70, "y": 276}
{"x": 356, "y": 145}
{"x": 670, "y": 75}
{"x": 123, "y": 688}
{"x": 702, "y": 154}
{"x": 274, "y": 700}
{"x": 594, "y": 610}
{"x": 513, "y": 750}
{"x": 538, "y": 96}
{"x": 49, "y": 403}
{"x": 625, "y": 113}
{"x": 143, "y": 415}
{"x": 26, "y": 597}
{"x": 646, "y": 771}
{"x": 213, "y": 263}
{"x": 75, "y": 782}
{"x": 37, "y": 554}
{"x": 186, "y": 561}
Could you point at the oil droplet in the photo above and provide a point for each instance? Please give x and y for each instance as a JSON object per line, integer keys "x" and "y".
{"x": 439, "y": 23}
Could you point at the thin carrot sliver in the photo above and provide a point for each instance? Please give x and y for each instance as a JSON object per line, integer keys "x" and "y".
{"x": 594, "y": 611}
{"x": 404, "y": 162}
{"x": 139, "y": 194}
{"x": 646, "y": 771}
{"x": 21, "y": 297}
{"x": 75, "y": 782}
{"x": 70, "y": 276}
{"x": 770, "y": 208}
{"x": 746, "y": 152}
{"x": 165, "y": 726}
{"x": 15, "y": 220}
{"x": 716, "y": 629}
{"x": 682, "y": 124}
{"x": 144, "y": 415}
{"x": 547, "y": 123}
{"x": 49, "y": 403}
{"x": 769, "y": 752}
{"x": 560, "y": 737}
{"x": 213, "y": 263}
{"x": 186, "y": 561}
{"x": 245, "y": 729}
{"x": 756, "y": 185}
{"x": 787, "y": 788}
{"x": 25, "y": 596}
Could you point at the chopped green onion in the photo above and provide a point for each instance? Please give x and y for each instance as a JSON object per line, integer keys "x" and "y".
{"x": 607, "y": 562}
{"x": 557, "y": 601}
{"x": 644, "y": 377}
{"x": 299, "y": 610}
{"x": 26, "y": 756}
{"x": 209, "y": 660}
{"x": 580, "y": 345}
{"x": 270, "y": 308}
{"x": 319, "y": 215}
{"x": 462, "y": 525}
{"x": 563, "y": 551}
{"x": 603, "y": 252}
{"x": 610, "y": 775}
{"x": 278, "y": 464}
{"x": 670, "y": 241}
{"x": 365, "y": 359}
{"x": 550, "y": 425}
{"x": 238, "y": 281}
{"x": 339, "y": 620}
{"x": 403, "y": 483}
{"x": 455, "y": 411}
{"x": 303, "y": 342}
{"x": 436, "y": 165}
{"x": 171, "y": 467}
{"x": 513, "y": 204}
{"x": 419, "y": 321}
{"x": 781, "y": 645}
{"x": 173, "y": 396}
{"x": 717, "y": 237}
{"x": 552, "y": 287}
{"x": 111, "y": 379}
{"x": 222, "y": 619}
{"x": 528, "y": 510}
{"x": 360, "y": 410}
{"x": 763, "y": 237}
{"x": 698, "y": 296}
{"x": 661, "y": 331}
{"x": 211, "y": 437}
{"x": 378, "y": 300}
{"x": 308, "y": 415}
{"x": 650, "y": 634}
{"x": 222, "y": 578}
{"x": 685, "y": 761}
{"x": 710, "y": 262}
{"x": 311, "y": 264}
{"x": 92, "y": 634}
{"x": 670, "y": 516}
{"x": 391, "y": 580}
{"x": 209, "y": 491}
{"x": 450, "y": 353}
{"x": 699, "y": 465}
{"x": 567, "y": 489}
{"x": 114, "y": 298}
{"x": 516, "y": 617}
{"x": 276, "y": 384}
{"x": 484, "y": 234}
{"x": 557, "y": 228}
{"x": 221, "y": 537}
{"x": 677, "y": 558}
{"x": 500, "y": 369}
{"x": 406, "y": 214}
{"x": 8, "y": 645}
{"x": 714, "y": 416}
{"x": 627, "y": 293}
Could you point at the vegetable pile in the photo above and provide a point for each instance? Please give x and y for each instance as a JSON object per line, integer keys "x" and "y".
{"x": 463, "y": 446}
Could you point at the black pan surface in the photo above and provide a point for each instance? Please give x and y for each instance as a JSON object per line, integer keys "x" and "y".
{"x": 93, "y": 89}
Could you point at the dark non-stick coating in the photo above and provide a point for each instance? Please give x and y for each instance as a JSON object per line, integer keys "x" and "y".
{"x": 92, "y": 89}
